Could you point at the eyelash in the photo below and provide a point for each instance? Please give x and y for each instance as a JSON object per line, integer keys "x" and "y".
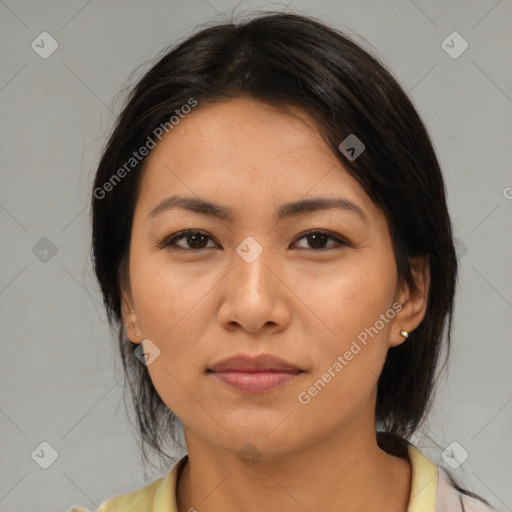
{"x": 169, "y": 242}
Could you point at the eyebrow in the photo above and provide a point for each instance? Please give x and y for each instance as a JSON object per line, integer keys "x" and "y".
{"x": 286, "y": 210}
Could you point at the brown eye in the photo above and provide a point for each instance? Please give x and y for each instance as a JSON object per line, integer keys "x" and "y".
{"x": 318, "y": 239}
{"x": 194, "y": 241}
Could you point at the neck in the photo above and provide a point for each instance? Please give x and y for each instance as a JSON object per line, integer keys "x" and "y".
{"x": 348, "y": 473}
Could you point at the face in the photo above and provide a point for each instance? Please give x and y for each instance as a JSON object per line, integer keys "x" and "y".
{"x": 258, "y": 283}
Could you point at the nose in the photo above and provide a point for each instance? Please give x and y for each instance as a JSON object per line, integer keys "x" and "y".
{"x": 255, "y": 292}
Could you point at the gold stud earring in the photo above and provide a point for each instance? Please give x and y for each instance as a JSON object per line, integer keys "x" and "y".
{"x": 405, "y": 334}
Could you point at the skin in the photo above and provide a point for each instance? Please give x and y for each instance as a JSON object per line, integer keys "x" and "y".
{"x": 304, "y": 306}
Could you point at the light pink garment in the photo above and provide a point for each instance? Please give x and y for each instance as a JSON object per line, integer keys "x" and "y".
{"x": 449, "y": 499}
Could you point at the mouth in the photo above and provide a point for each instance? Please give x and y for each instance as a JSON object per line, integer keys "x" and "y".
{"x": 258, "y": 363}
{"x": 254, "y": 374}
{"x": 256, "y": 381}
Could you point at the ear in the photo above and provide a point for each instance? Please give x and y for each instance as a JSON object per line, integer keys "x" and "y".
{"x": 414, "y": 302}
{"x": 130, "y": 318}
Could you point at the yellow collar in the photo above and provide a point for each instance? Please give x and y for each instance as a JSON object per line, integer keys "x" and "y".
{"x": 424, "y": 482}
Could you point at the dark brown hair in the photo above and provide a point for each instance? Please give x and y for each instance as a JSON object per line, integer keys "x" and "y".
{"x": 287, "y": 60}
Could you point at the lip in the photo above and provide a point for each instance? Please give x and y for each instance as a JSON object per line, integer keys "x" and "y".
{"x": 256, "y": 382}
{"x": 259, "y": 363}
{"x": 255, "y": 374}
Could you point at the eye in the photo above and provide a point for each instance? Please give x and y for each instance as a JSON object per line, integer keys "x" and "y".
{"x": 195, "y": 238}
{"x": 196, "y": 241}
{"x": 318, "y": 238}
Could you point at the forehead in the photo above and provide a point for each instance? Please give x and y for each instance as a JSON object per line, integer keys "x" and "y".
{"x": 244, "y": 152}
{"x": 241, "y": 128}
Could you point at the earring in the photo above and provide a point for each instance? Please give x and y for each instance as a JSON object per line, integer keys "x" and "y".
{"x": 405, "y": 334}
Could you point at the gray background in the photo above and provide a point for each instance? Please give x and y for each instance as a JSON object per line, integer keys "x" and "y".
{"x": 60, "y": 374}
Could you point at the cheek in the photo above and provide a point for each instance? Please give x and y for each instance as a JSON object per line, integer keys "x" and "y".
{"x": 347, "y": 365}
{"x": 172, "y": 313}
{"x": 351, "y": 296}
{"x": 354, "y": 306}
{"x": 167, "y": 296}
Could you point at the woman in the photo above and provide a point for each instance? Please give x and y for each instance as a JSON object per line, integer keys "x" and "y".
{"x": 272, "y": 241}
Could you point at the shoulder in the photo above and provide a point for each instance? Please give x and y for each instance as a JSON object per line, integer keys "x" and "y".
{"x": 433, "y": 491}
{"x": 140, "y": 500}
{"x": 159, "y": 495}
{"x": 450, "y": 499}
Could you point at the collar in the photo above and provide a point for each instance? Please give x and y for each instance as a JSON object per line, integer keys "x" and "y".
{"x": 424, "y": 481}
